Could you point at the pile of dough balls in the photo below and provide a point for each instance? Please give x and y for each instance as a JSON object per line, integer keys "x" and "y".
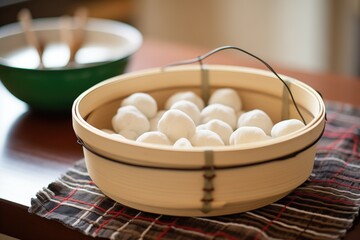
{"x": 186, "y": 121}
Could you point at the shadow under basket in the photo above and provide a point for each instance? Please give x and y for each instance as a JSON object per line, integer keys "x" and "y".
{"x": 199, "y": 181}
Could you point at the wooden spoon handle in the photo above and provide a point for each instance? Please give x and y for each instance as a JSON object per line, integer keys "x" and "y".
{"x": 80, "y": 19}
{"x": 25, "y": 20}
{"x": 66, "y": 35}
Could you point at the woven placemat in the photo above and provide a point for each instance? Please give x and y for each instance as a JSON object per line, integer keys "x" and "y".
{"x": 324, "y": 207}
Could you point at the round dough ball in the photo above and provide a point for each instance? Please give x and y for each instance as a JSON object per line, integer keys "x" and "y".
{"x": 118, "y": 136}
{"x": 129, "y": 118}
{"x": 142, "y": 101}
{"x": 228, "y": 97}
{"x": 247, "y": 134}
{"x": 286, "y": 127}
{"x": 201, "y": 127}
{"x": 219, "y": 127}
{"x": 256, "y": 118}
{"x": 176, "y": 124}
{"x": 183, "y": 143}
{"x": 239, "y": 113}
{"x": 155, "y": 120}
{"x": 220, "y": 112}
{"x": 109, "y": 131}
{"x": 114, "y": 134}
{"x": 189, "y": 108}
{"x": 154, "y": 137}
{"x": 186, "y": 95}
{"x": 129, "y": 134}
{"x": 206, "y": 138}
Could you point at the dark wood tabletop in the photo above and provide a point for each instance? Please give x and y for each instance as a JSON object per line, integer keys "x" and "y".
{"x": 36, "y": 149}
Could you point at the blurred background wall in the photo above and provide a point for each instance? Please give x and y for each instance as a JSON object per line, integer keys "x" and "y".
{"x": 322, "y": 35}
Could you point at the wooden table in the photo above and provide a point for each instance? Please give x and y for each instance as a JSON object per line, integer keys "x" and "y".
{"x": 37, "y": 149}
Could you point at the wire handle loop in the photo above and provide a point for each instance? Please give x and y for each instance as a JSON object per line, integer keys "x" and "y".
{"x": 200, "y": 59}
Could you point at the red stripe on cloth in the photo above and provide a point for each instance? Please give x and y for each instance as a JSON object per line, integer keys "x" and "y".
{"x": 216, "y": 234}
{"x": 278, "y": 216}
{"x": 349, "y": 179}
{"x": 157, "y": 221}
{"x": 356, "y": 145}
{"x": 173, "y": 224}
{"x": 341, "y": 135}
{"x": 354, "y": 151}
{"x": 331, "y": 181}
{"x": 350, "y": 134}
{"x": 340, "y": 170}
{"x": 167, "y": 229}
{"x": 108, "y": 220}
{"x": 328, "y": 199}
{"x": 117, "y": 213}
{"x": 86, "y": 203}
{"x": 336, "y": 143}
{"x": 338, "y": 150}
{"x": 64, "y": 200}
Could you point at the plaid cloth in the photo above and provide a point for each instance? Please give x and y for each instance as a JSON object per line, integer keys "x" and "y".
{"x": 324, "y": 207}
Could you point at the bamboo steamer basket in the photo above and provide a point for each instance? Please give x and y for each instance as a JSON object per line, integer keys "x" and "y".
{"x": 200, "y": 181}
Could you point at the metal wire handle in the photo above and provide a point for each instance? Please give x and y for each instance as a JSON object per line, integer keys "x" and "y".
{"x": 199, "y": 59}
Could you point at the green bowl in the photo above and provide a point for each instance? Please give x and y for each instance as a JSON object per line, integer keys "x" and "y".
{"x": 105, "y": 53}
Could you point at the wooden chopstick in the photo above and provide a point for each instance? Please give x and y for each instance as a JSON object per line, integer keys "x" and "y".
{"x": 80, "y": 20}
{"x": 32, "y": 39}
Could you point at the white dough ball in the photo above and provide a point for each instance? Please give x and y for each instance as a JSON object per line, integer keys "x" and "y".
{"x": 112, "y": 133}
{"x": 155, "y": 120}
{"x": 201, "y": 127}
{"x": 129, "y": 118}
{"x": 182, "y": 142}
{"x": 109, "y": 131}
{"x": 239, "y": 113}
{"x": 189, "y": 108}
{"x": 142, "y": 101}
{"x": 217, "y": 126}
{"x": 155, "y": 137}
{"x": 176, "y": 124}
{"x": 247, "y": 134}
{"x": 286, "y": 126}
{"x": 206, "y": 138}
{"x": 228, "y": 97}
{"x": 220, "y": 112}
{"x": 256, "y": 118}
{"x": 118, "y": 136}
{"x": 129, "y": 134}
{"x": 186, "y": 95}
